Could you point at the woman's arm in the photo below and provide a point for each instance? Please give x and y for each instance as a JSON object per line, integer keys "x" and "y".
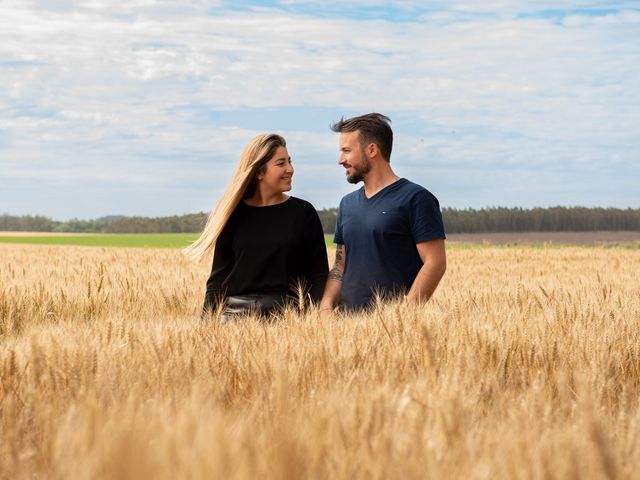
{"x": 220, "y": 269}
{"x": 318, "y": 262}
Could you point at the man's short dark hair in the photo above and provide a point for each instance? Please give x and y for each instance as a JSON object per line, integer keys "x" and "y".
{"x": 373, "y": 128}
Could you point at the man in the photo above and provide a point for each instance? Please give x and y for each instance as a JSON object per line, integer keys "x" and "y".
{"x": 389, "y": 233}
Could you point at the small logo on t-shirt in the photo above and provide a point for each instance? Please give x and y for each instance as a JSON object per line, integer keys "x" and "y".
{"x": 384, "y": 213}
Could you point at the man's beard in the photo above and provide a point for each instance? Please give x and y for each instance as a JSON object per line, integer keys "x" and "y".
{"x": 359, "y": 172}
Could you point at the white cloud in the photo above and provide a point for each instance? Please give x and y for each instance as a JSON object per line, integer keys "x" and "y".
{"x": 141, "y": 88}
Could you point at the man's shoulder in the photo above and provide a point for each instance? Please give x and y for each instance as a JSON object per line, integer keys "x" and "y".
{"x": 351, "y": 197}
{"x": 411, "y": 189}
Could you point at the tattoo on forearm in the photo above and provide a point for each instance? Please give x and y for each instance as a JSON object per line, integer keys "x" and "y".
{"x": 335, "y": 274}
{"x": 338, "y": 266}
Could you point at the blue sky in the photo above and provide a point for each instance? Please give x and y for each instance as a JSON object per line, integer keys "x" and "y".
{"x": 143, "y": 107}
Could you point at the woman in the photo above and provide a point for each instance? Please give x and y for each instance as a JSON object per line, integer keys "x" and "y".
{"x": 267, "y": 247}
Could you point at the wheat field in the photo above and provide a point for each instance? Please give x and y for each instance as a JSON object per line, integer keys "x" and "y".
{"x": 525, "y": 364}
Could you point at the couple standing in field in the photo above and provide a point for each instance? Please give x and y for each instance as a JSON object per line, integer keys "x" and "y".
{"x": 268, "y": 248}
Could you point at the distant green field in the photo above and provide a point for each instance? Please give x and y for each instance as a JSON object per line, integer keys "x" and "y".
{"x": 134, "y": 240}
{"x": 181, "y": 240}
{"x": 141, "y": 240}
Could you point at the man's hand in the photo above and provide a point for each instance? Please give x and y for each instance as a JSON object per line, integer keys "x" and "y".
{"x": 332, "y": 289}
{"x": 434, "y": 259}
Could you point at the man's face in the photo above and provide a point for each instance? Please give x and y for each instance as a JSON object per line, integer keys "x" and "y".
{"x": 353, "y": 157}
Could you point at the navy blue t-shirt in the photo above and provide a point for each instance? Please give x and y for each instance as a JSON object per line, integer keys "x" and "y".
{"x": 380, "y": 235}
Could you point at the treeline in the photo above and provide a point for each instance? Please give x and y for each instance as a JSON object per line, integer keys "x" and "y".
{"x": 553, "y": 219}
{"x": 328, "y": 219}
{"x": 191, "y": 223}
{"x": 117, "y": 224}
{"x": 499, "y": 219}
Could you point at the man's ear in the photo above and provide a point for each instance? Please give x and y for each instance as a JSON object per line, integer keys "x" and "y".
{"x": 372, "y": 150}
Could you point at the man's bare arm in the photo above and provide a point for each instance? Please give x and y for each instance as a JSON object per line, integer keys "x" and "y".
{"x": 434, "y": 258}
{"x": 332, "y": 289}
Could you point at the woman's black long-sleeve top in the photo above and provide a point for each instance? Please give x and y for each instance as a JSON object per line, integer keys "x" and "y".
{"x": 269, "y": 249}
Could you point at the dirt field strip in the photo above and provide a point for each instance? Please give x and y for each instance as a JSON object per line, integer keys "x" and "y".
{"x": 565, "y": 238}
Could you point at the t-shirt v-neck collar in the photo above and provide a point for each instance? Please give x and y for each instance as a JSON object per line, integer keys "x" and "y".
{"x": 381, "y": 191}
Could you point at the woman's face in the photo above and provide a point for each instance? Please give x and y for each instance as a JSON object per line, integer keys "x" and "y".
{"x": 277, "y": 174}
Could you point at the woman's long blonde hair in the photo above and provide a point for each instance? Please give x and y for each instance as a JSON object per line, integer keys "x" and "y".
{"x": 243, "y": 184}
